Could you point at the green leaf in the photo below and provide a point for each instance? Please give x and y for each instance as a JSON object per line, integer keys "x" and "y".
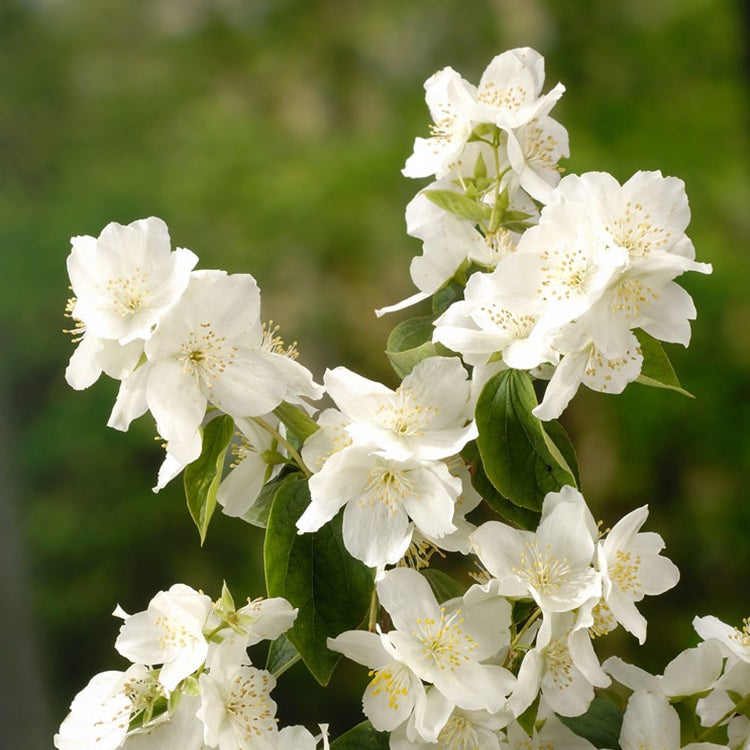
{"x": 657, "y": 370}
{"x": 600, "y": 725}
{"x": 450, "y": 293}
{"x": 515, "y": 514}
{"x": 515, "y": 450}
{"x": 317, "y": 575}
{"x": 566, "y": 453}
{"x": 362, "y": 737}
{"x": 443, "y": 586}
{"x": 281, "y": 656}
{"x": 296, "y": 420}
{"x": 203, "y": 476}
{"x": 480, "y": 167}
{"x": 257, "y": 513}
{"x": 409, "y": 343}
{"x": 459, "y": 205}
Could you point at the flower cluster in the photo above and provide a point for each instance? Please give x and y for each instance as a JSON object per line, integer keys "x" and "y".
{"x": 178, "y": 340}
{"x": 532, "y": 276}
{"x": 191, "y": 684}
{"x": 558, "y": 284}
{"x": 471, "y": 650}
{"x": 382, "y": 454}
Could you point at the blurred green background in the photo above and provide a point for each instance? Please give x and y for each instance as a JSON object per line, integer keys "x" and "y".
{"x": 270, "y": 134}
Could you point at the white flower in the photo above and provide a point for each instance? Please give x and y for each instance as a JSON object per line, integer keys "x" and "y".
{"x": 552, "y": 734}
{"x": 721, "y": 703}
{"x": 446, "y": 644}
{"x": 168, "y": 632}
{"x": 589, "y": 366}
{"x": 266, "y": 619}
{"x": 126, "y": 279}
{"x": 464, "y": 729}
{"x": 100, "y": 714}
{"x": 451, "y": 101}
{"x": 534, "y": 151}
{"x": 494, "y": 318}
{"x": 428, "y": 417}
{"x": 236, "y": 708}
{"x": 395, "y": 692}
{"x": 651, "y": 722}
{"x": 734, "y": 642}
{"x": 562, "y": 665}
{"x": 380, "y": 497}
{"x": 693, "y": 671}
{"x": 239, "y": 490}
{"x": 552, "y": 565}
{"x": 509, "y": 91}
{"x": 632, "y": 567}
{"x": 210, "y": 348}
{"x": 183, "y": 731}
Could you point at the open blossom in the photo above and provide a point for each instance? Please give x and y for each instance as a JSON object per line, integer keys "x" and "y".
{"x": 632, "y": 567}
{"x": 236, "y": 707}
{"x": 100, "y": 714}
{"x": 508, "y": 97}
{"x": 451, "y": 101}
{"x": 126, "y": 279}
{"x": 210, "y": 348}
{"x": 562, "y": 666}
{"x": 123, "y": 281}
{"x": 445, "y": 644}
{"x": 168, "y": 632}
{"x": 428, "y": 417}
{"x": 552, "y": 565}
{"x": 693, "y": 671}
{"x": 442, "y": 645}
{"x": 383, "y": 501}
{"x": 250, "y": 471}
{"x": 650, "y": 721}
{"x": 395, "y": 693}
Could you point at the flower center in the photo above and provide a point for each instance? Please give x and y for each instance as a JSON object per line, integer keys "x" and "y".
{"x": 404, "y": 414}
{"x": 559, "y": 662}
{"x": 624, "y": 572}
{"x": 541, "y": 570}
{"x": 538, "y": 148}
{"x": 629, "y": 296}
{"x": 742, "y": 637}
{"x": 249, "y": 705}
{"x": 511, "y": 98}
{"x": 511, "y": 325}
{"x": 205, "y": 355}
{"x": 129, "y": 294}
{"x": 458, "y": 734}
{"x": 444, "y": 641}
{"x": 635, "y": 233}
{"x": 393, "y": 680}
{"x": 175, "y": 635}
{"x": 386, "y": 486}
{"x": 565, "y": 274}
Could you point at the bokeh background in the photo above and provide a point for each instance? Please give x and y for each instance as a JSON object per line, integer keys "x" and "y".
{"x": 270, "y": 134}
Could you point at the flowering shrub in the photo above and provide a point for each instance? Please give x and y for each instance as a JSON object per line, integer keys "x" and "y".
{"x": 538, "y": 284}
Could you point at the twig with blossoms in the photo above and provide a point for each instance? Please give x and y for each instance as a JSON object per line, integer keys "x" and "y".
{"x": 531, "y": 277}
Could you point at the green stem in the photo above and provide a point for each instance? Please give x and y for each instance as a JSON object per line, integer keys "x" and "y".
{"x": 522, "y": 632}
{"x": 742, "y": 705}
{"x": 286, "y": 665}
{"x": 374, "y": 608}
{"x": 290, "y": 448}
